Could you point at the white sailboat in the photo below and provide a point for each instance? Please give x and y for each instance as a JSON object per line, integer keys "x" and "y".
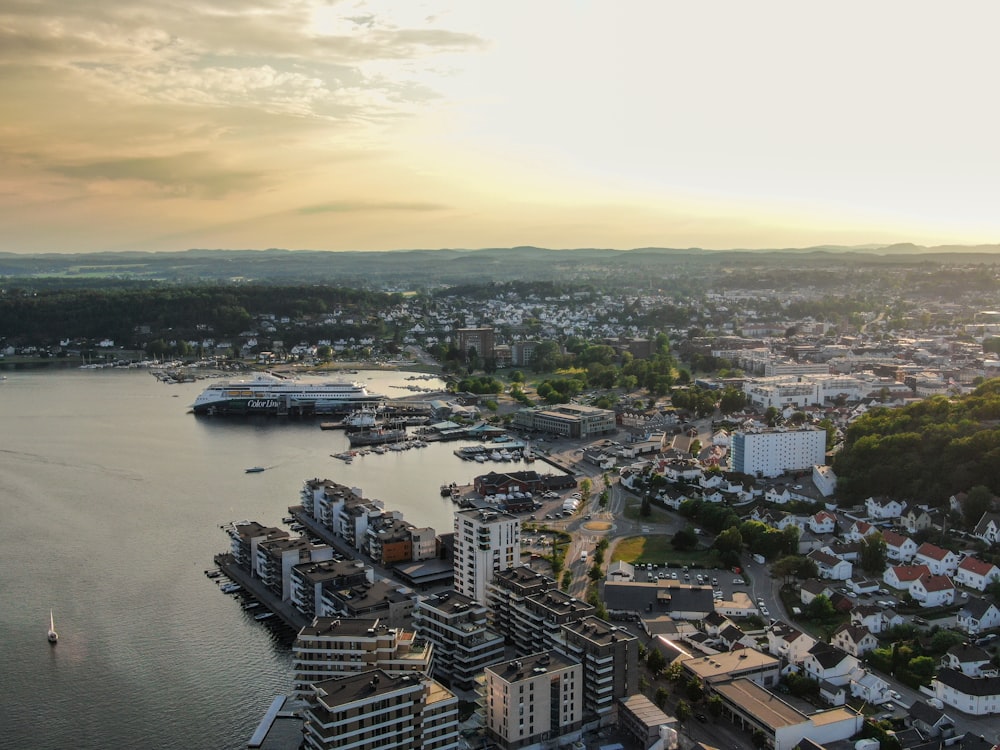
{"x": 53, "y": 636}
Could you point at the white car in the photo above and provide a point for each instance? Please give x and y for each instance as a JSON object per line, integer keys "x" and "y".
{"x": 895, "y": 695}
{"x": 763, "y": 611}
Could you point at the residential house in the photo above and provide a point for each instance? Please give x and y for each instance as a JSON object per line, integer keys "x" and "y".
{"x": 884, "y": 508}
{"x": 869, "y": 687}
{"x": 822, "y": 523}
{"x": 856, "y": 640}
{"x": 976, "y": 574}
{"x": 968, "y": 659}
{"x": 930, "y": 721}
{"x": 828, "y": 663}
{"x": 933, "y": 591}
{"x": 904, "y": 576}
{"x": 861, "y": 586}
{"x": 788, "y": 642}
{"x": 876, "y": 619}
{"x": 941, "y": 562}
{"x": 916, "y": 519}
{"x": 988, "y": 528}
{"x": 977, "y": 615}
{"x": 978, "y": 696}
{"x": 859, "y": 530}
{"x": 812, "y": 588}
{"x": 831, "y": 566}
{"x": 898, "y": 548}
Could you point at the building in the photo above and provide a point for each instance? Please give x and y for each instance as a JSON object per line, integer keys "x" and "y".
{"x": 753, "y": 707}
{"x": 640, "y": 719}
{"x": 532, "y": 700}
{"x": 480, "y": 340}
{"x": 771, "y": 453}
{"x": 610, "y": 659}
{"x": 745, "y": 664}
{"x": 314, "y": 585}
{"x": 976, "y": 574}
{"x": 988, "y": 528}
{"x": 978, "y": 696}
{"x": 486, "y": 542}
{"x": 334, "y": 647}
{"x": 977, "y": 615}
{"x": 464, "y": 645}
{"x": 941, "y": 562}
{"x": 376, "y": 711}
{"x": 568, "y": 420}
{"x": 276, "y": 559}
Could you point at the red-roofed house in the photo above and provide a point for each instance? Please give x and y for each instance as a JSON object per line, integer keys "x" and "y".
{"x": 976, "y": 574}
{"x": 933, "y": 591}
{"x": 904, "y": 576}
{"x": 822, "y": 523}
{"x": 859, "y": 530}
{"x": 942, "y": 562}
{"x": 898, "y": 548}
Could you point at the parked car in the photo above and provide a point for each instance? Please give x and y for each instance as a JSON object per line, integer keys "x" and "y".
{"x": 919, "y": 621}
{"x": 763, "y": 611}
{"x": 702, "y": 718}
{"x": 895, "y": 695}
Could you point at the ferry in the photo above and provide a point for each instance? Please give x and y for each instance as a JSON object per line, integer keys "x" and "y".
{"x": 268, "y": 394}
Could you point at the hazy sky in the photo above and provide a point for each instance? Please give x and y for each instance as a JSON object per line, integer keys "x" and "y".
{"x": 170, "y": 124}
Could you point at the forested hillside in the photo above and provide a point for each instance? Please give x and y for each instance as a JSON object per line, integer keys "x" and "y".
{"x": 925, "y": 452}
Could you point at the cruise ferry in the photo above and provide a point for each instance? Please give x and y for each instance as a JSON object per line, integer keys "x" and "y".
{"x": 267, "y": 394}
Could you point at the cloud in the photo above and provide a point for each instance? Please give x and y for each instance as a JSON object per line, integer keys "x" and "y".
{"x": 178, "y": 175}
{"x": 359, "y": 207}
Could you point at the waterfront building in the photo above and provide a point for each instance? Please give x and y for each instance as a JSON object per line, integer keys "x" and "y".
{"x": 533, "y": 700}
{"x": 486, "y": 542}
{"x": 568, "y": 420}
{"x": 277, "y": 557}
{"x": 313, "y": 583}
{"x": 335, "y": 647}
{"x": 464, "y": 644}
{"x": 771, "y": 453}
{"x": 244, "y": 538}
{"x": 376, "y": 711}
{"x": 381, "y": 598}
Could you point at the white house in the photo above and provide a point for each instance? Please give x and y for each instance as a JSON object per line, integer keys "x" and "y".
{"x": 854, "y": 639}
{"x": 812, "y": 588}
{"x": 933, "y": 591}
{"x": 859, "y": 530}
{"x": 968, "y": 659}
{"x": 904, "y": 576}
{"x": 941, "y": 562}
{"x": 788, "y": 643}
{"x": 976, "y": 574}
{"x": 825, "y": 479}
{"x": 826, "y": 662}
{"x": 979, "y": 696}
{"x": 988, "y": 528}
{"x": 876, "y": 619}
{"x": 884, "y": 508}
{"x": 822, "y": 523}
{"x": 916, "y": 519}
{"x": 869, "y": 687}
{"x": 778, "y": 498}
{"x": 898, "y": 548}
{"x": 831, "y": 566}
{"x": 977, "y": 615}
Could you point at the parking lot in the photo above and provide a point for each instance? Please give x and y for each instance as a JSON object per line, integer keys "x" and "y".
{"x": 722, "y": 582}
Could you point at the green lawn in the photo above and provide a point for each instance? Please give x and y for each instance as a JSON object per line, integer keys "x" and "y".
{"x": 656, "y": 515}
{"x": 656, "y": 548}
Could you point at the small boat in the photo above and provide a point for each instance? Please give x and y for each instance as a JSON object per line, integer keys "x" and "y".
{"x": 255, "y": 470}
{"x": 52, "y": 635}
{"x": 264, "y": 616}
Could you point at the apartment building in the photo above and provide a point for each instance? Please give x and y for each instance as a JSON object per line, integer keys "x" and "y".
{"x": 377, "y": 711}
{"x": 486, "y": 542}
{"x": 771, "y": 453}
{"x": 610, "y": 659}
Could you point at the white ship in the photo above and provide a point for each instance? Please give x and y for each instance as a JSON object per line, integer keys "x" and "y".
{"x": 267, "y": 394}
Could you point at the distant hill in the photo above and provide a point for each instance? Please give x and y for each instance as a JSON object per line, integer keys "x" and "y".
{"x": 425, "y": 268}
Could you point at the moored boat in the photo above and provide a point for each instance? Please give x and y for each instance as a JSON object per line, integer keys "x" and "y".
{"x": 267, "y": 394}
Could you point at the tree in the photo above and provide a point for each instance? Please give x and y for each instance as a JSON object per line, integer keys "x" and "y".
{"x": 873, "y": 553}
{"x": 977, "y": 501}
{"x": 685, "y": 539}
{"x": 661, "y": 696}
{"x": 683, "y": 711}
{"x": 772, "y": 415}
{"x": 694, "y": 690}
{"x": 715, "y": 705}
{"x": 820, "y": 609}
{"x": 729, "y": 540}
{"x": 655, "y": 661}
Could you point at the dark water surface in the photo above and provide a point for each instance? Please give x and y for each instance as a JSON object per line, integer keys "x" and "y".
{"x": 111, "y": 499}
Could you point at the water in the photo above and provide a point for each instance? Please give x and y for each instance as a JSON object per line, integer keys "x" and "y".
{"x": 111, "y": 499}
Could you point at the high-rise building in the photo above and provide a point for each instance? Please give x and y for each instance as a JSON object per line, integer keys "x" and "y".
{"x": 533, "y": 699}
{"x": 479, "y": 339}
{"x": 771, "y": 453}
{"x": 464, "y": 644}
{"x": 610, "y": 658}
{"x": 486, "y": 542}
{"x": 334, "y": 647}
{"x": 376, "y": 711}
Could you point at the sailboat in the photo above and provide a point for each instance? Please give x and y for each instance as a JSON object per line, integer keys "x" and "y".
{"x": 53, "y": 636}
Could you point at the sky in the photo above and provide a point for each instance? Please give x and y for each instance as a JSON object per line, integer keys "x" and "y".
{"x": 159, "y": 125}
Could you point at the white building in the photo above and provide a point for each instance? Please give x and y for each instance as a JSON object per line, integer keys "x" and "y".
{"x": 771, "y": 453}
{"x": 486, "y": 542}
{"x": 533, "y": 700}
{"x": 941, "y": 562}
{"x": 978, "y": 696}
{"x": 976, "y": 574}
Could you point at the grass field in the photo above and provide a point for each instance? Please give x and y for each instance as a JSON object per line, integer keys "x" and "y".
{"x": 656, "y": 548}
{"x": 656, "y": 515}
